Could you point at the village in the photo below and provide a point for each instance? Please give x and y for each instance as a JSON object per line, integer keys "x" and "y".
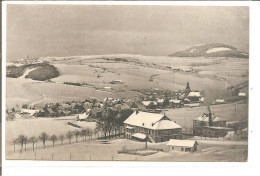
{"x": 141, "y": 119}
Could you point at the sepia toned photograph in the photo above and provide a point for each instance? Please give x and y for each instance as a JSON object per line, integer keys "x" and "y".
{"x": 160, "y": 83}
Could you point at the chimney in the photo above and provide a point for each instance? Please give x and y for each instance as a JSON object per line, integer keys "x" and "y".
{"x": 137, "y": 112}
{"x": 210, "y": 119}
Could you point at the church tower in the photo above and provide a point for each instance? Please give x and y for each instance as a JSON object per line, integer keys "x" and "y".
{"x": 187, "y": 90}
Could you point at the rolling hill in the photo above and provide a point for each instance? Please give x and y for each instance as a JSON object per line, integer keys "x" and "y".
{"x": 211, "y": 50}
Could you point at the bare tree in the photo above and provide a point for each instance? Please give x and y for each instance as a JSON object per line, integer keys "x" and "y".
{"x": 53, "y": 138}
{"x": 25, "y": 142}
{"x": 76, "y": 134}
{"x": 83, "y": 134}
{"x": 43, "y": 137}
{"x": 20, "y": 140}
{"x": 96, "y": 131}
{"x": 69, "y": 136}
{"x": 88, "y": 132}
{"x": 14, "y": 142}
{"x": 33, "y": 140}
{"x": 61, "y": 137}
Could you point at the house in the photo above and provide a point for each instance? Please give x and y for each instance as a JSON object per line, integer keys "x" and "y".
{"x": 182, "y": 145}
{"x": 174, "y": 103}
{"x": 82, "y": 117}
{"x": 194, "y": 96}
{"x": 49, "y": 112}
{"x": 136, "y": 105}
{"x": 87, "y": 105}
{"x": 31, "y": 112}
{"x": 157, "y": 127}
{"x": 161, "y": 102}
{"x": 77, "y": 108}
{"x": 186, "y": 101}
{"x": 149, "y": 104}
{"x": 66, "y": 107}
{"x": 209, "y": 125}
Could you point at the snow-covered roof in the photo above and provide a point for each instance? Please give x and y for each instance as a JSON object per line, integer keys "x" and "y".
{"x": 165, "y": 125}
{"x": 174, "y": 101}
{"x": 143, "y": 119}
{"x": 186, "y": 99}
{"x": 150, "y": 121}
{"x": 182, "y": 143}
{"x": 146, "y": 103}
{"x": 139, "y": 135}
{"x": 194, "y": 94}
{"x": 242, "y": 94}
{"x": 82, "y": 116}
{"x": 217, "y": 119}
{"x": 160, "y": 101}
{"x": 29, "y": 111}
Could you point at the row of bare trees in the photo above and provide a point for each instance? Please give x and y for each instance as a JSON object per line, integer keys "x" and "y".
{"x": 23, "y": 140}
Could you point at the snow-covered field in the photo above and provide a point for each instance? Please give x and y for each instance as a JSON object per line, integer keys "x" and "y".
{"x": 108, "y": 151}
{"x": 135, "y": 72}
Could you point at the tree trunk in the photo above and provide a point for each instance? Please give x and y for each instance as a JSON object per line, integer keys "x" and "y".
{"x": 21, "y": 148}
{"x": 33, "y": 146}
{"x": 14, "y": 147}
{"x": 105, "y": 135}
{"x": 52, "y": 143}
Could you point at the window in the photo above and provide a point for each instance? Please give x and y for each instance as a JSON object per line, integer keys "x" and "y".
{"x": 172, "y": 148}
{"x": 182, "y": 149}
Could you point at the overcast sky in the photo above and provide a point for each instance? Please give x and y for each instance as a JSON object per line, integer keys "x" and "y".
{"x": 66, "y": 30}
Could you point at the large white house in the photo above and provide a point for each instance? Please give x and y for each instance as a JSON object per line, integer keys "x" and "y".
{"x": 151, "y": 126}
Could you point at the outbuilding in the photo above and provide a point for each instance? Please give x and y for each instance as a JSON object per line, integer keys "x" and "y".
{"x": 182, "y": 145}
